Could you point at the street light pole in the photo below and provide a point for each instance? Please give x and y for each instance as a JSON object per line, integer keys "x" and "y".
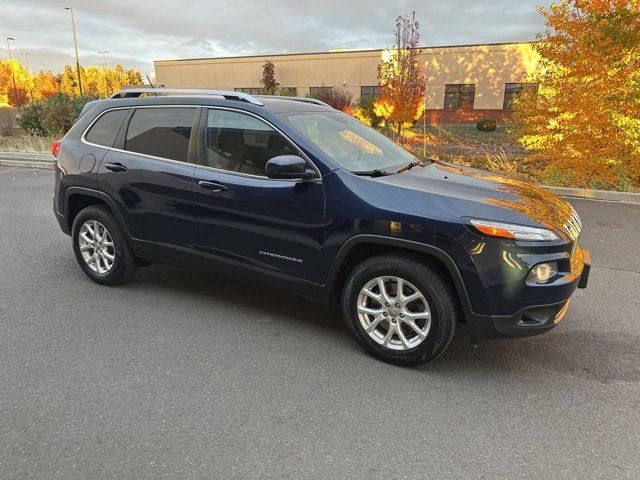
{"x": 26, "y": 59}
{"x": 13, "y": 76}
{"x": 75, "y": 44}
{"x": 104, "y": 57}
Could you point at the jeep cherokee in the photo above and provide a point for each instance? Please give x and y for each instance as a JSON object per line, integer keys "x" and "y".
{"x": 293, "y": 194}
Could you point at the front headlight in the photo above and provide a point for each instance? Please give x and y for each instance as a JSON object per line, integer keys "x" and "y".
{"x": 513, "y": 231}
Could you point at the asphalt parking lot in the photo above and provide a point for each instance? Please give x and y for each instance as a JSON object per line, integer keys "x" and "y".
{"x": 179, "y": 374}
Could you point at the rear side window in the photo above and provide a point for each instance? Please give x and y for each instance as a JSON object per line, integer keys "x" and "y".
{"x": 105, "y": 130}
{"x": 160, "y": 132}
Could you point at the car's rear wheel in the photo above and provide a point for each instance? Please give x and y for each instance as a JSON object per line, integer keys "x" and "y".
{"x": 400, "y": 309}
{"x": 100, "y": 246}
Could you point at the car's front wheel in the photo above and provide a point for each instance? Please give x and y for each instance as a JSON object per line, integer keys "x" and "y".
{"x": 400, "y": 309}
{"x": 100, "y": 246}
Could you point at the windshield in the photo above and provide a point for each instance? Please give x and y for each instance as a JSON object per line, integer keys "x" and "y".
{"x": 354, "y": 146}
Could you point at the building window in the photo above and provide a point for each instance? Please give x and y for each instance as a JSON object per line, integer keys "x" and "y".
{"x": 289, "y": 91}
{"x": 515, "y": 90}
{"x": 459, "y": 96}
{"x": 323, "y": 91}
{"x": 369, "y": 94}
{"x": 250, "y": 90}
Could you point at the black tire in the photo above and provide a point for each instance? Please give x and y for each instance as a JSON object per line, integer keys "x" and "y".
{"x": 124, "y": 264}
{"x": 429, "y": 281}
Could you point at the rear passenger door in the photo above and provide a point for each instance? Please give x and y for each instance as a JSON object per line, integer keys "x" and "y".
{"x": 246, "y": 219}
{"x": 148, "y": 174}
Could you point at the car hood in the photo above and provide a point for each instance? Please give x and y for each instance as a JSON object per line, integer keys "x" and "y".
{"x": 464, "y": 185}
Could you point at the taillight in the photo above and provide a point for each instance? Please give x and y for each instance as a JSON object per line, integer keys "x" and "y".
{"x": 55, "y": 148}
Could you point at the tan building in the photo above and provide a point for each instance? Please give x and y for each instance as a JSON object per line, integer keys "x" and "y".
{"x": 464, "y": 82}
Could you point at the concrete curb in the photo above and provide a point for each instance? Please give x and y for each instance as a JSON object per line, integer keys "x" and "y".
{"x": 622, "y": 197}
{"x": 26, "y": 164}
{"x": 44, "y": 161}
{"x": 26, "y": 160}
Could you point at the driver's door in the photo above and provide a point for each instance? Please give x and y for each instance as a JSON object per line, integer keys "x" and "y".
{"x": 245, "y": 218}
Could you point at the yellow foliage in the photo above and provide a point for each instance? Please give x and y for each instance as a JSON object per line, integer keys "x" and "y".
{"x": 96, "y": 81}
{"x": 585, "y": 120}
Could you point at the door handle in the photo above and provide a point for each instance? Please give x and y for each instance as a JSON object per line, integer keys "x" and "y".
{"x": 115, "y": 167}
{"x": 213, "y": 186}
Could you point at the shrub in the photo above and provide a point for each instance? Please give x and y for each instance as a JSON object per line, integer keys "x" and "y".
{"x": 365, "y": 112}
{"x": 54, "y": 116}
{"x": 335, "y": 97}
{"x": 7, "y": 117}
{"x": 30, "y": 118}
{"x": 486, "y": 125}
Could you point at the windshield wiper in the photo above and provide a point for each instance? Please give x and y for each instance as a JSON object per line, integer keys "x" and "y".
{"x": 373, "y": 173}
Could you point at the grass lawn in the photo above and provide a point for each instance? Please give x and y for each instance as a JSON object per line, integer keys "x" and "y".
{"x": 26, "y": 143}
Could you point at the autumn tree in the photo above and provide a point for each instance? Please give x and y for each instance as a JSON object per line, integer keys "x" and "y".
{"x": 45, "y": 85}
{"x": 21, "y": 94}
{"x": 401, "y": 76}
{"x": 335, "y": 97}
{"x": 268, "y": 79}
{"x": 585, "y": 121}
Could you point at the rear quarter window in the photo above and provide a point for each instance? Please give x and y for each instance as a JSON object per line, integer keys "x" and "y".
{"x": 105, "y": 130}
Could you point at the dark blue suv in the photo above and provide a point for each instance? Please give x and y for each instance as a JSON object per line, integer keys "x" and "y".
{"x": 292, "y": 194}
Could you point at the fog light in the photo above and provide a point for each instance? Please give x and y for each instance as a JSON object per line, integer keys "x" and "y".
{"x": 542, "y": 272}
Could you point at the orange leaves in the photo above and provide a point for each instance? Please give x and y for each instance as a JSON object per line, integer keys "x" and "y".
{"x": 97, "y": 81}
{"x": 401, "y": 76}
{"x": 584, "y": 122}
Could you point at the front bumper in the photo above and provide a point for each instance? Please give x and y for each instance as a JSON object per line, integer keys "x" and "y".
{"x": 529, "y": 320}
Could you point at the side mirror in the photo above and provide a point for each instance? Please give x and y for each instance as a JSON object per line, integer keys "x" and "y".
{"x": 289, "y": 167}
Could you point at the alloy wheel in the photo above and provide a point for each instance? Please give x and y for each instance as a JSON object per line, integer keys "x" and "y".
{"x": 394, "y": 313}
{"x": 96, "y": 246}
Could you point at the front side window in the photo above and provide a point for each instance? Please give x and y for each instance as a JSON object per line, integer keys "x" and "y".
{"x": 516, "y": 90}
{"x": 105, "y": 130}
{"x": 160, "y": 132}
{"x": 241, "y": 143}
{"x": 459, "y": 96}
{"x": 352, "y": 145}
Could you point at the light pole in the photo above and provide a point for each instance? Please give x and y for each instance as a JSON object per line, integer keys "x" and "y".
{"x": 104, "y": 57}
{"x": 75, "y": 44}
{"x": 13, "y": 77}
{"x": 26, "y": 62}
{"x": 26, "y": 59}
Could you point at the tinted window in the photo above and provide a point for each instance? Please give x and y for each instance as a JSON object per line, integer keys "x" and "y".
{"x": 517, "y": 90}
{"x": 459, "y": 96}
{"x": 106, "y": 128}
{"x": 161, "y": 132}
{"x": 242, "y": 143}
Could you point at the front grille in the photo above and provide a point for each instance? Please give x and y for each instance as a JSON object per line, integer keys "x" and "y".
{"x": 573, "y": 226}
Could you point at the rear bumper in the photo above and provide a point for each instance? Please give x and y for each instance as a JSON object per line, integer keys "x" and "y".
{"x": 530, "y": 320}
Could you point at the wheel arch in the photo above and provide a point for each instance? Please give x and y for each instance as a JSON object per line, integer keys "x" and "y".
{"x": 360, "y": 247}
{"x": 78, "y": 198}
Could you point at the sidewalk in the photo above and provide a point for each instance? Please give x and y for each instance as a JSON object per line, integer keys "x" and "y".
{"x": 26, "y": 160}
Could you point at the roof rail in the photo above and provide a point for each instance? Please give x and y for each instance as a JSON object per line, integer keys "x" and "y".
{"x": 137, "y": 92}
{"x": 314, "y": 101}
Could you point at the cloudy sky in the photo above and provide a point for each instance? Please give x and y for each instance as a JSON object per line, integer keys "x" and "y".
{"x": 137, "y": 32}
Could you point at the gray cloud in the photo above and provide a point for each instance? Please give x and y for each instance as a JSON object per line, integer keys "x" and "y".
{"x": 137, "y": 32}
